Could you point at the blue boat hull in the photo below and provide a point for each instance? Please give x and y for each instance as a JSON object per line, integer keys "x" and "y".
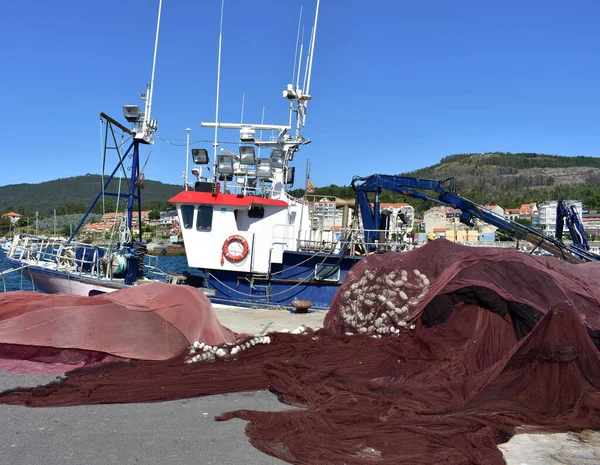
{"x": 294, "y": 279}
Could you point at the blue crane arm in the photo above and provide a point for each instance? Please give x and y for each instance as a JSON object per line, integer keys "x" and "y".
{"x": 470, "y": 211}
{"x": 566, "y": 213}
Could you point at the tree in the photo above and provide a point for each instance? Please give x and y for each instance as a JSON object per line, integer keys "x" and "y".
{"x": 5, "y": 225}
{"x": 297, "y": 193}
{"x": 154, "y": 215}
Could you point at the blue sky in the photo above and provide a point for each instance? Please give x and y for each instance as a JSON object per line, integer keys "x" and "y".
{"x": 396, "y": 84}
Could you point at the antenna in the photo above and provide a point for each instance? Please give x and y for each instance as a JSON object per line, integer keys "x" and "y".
{"x": 298, "y": 92}
{"x": 216, "y": 143}
{"x": 187, "y": 159}
{"x": 300, "y": 60}
{"x": 148, "y": 111}
{"x": 242, "y": 117}
{"x": 262, "y": 121}
{"x": 312, "y": 48}
{"x": 295, "y": 56}
{"x": 241, "y": 123}
{"x": 297, "y": 39}
{"x": 307, "y": 59}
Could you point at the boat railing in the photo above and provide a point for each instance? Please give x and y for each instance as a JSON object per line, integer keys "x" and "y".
{"x": 237, "y": 188}
{"x": 353, "y": 241}
{"x": 72, "y": 257}
{"x": 318, "y": 246}
{"x": 357, "y": 242}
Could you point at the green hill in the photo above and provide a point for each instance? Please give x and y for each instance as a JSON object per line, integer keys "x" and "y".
{"x": 506, "y": 179}
{"x": 74, "y": 195}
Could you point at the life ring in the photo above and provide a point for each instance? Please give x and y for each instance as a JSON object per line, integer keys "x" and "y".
{"x": 235, "y": 257}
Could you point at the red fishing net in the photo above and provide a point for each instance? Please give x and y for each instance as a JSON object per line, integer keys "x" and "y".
{"x": 476, "y": 345}
{"x": 54, "y": 333}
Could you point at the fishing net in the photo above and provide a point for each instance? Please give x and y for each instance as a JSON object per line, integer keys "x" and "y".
{"x": 56, "y": 333}
{"x": 476, "y": 345}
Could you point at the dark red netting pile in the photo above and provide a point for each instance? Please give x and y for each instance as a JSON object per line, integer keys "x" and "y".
{"x": 430, "y": 356}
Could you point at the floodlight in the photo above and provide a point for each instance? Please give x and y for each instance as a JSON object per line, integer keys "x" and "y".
{"x": 289, "y": 175}
{"x": 247, "y": 134}
{"x": 289, "y": 93}
{"x": 276, "y": 159}
{"x": 290, "y": 153}
{"x": 247, "y": 156}
{"x": 131, "y": 113}
{"x": 225, "y": 164}
{"x": 200, "y": 156}
{"x": 263, "y": 169}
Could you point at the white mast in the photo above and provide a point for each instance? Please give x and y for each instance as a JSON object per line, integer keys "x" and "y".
{"x": 216, "y": 143}
{"x": 310, "y": 61}
{"x": 307, "y": 59}
{"x": 262, "y": 122}
{"x": 296, "y": 55}
{"x": 297, "y": 39}
{"x": 148, "y": 113}
{"x": 312, "y": 48}
{"x": 187, "y": 159}
{"x": 242, "y": 117}
{"x": 300, "y": 61}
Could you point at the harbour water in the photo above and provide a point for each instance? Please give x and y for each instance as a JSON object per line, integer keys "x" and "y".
{"x": 18, "y": 280}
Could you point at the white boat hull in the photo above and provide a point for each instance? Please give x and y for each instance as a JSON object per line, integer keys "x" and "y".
{"x": 68, "y": 284}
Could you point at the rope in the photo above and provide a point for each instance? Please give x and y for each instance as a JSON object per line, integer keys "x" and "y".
{"x": 302, "y": 281}
{"x": 145, "y": 163}
{"x": 112, "y": 231}
{"x": 31, "y": 279}
{"x": 303, "y": 262}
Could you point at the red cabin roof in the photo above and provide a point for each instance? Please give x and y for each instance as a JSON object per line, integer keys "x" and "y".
{"x": 207, "y": 198}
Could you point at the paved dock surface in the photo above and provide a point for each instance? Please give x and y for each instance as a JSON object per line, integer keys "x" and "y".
{"x": 177, "y": 432}
{"x": 181, "y": 432}
{"x": 259, "y": 321}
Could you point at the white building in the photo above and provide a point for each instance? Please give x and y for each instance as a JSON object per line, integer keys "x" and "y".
{"x": 326, "y": 216}
{"x": 547, "y": 215}
{"x": 13, "y": 217}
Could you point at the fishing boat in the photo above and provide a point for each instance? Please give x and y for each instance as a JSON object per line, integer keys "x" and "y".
{"x": 256, "y": 243}
{"x": 69, "y": 266}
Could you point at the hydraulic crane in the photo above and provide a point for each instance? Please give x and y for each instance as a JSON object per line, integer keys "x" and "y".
{"x": 566, "y": 214}
{"x": 445, "y": 194}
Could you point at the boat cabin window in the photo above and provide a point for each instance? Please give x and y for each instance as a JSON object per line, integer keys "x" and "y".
{"x": 205, "y": 216}
{"x": 187, "y": 216}
{"x": 256, "y": 212}
{"x": 324, "y": 272}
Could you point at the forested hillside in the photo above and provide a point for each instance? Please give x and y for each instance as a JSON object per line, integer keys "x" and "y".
{"x": 506, "y": 179}
{"x": 74, "y": 195}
